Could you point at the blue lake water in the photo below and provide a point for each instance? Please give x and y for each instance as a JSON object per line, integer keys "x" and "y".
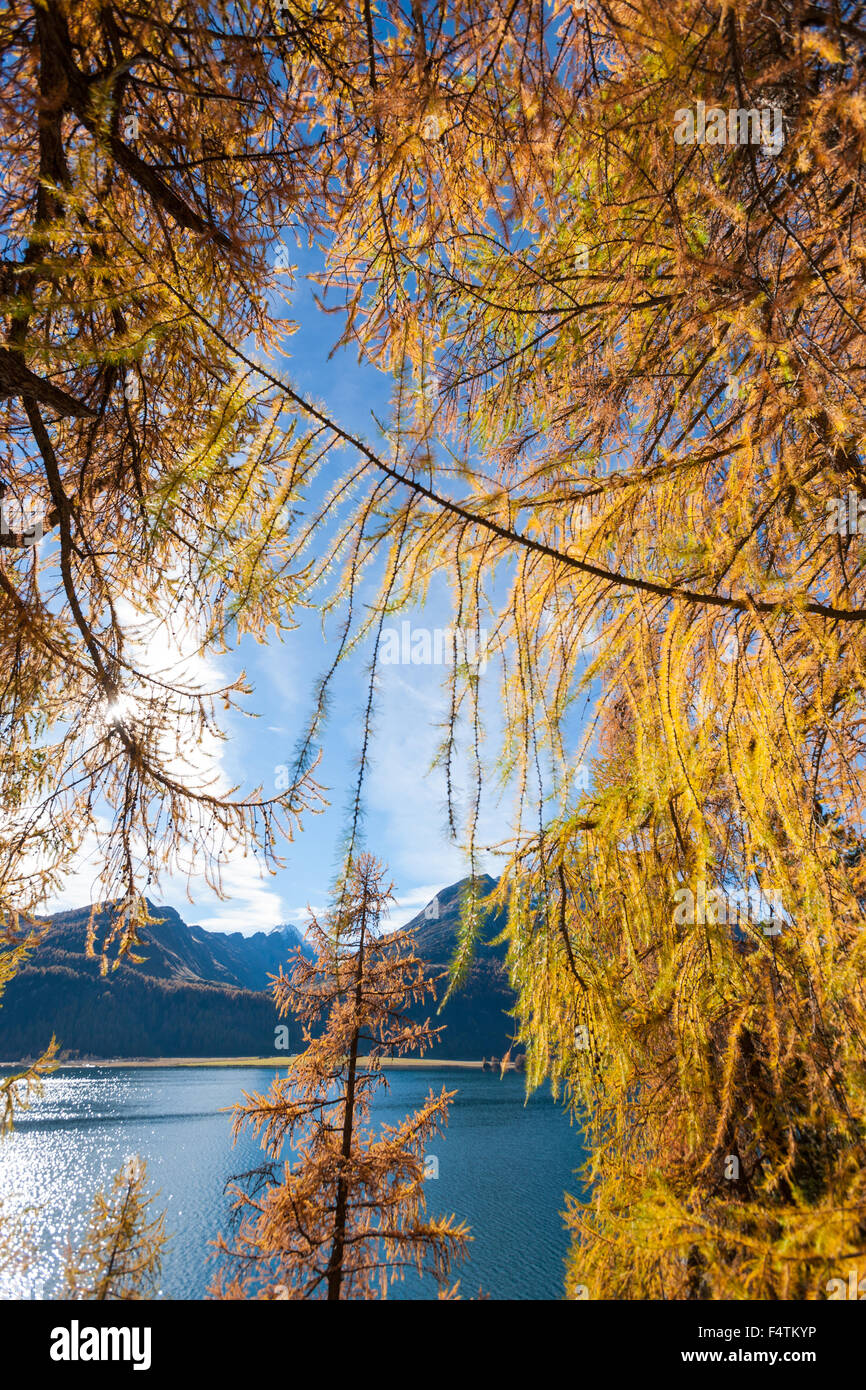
{"x": 504, "y": 1165}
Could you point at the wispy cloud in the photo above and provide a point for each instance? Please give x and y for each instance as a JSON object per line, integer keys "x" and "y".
{"x": 168, "y": 652}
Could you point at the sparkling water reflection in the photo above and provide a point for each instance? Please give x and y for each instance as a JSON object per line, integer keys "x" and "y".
{"x": 504, "y": 1165}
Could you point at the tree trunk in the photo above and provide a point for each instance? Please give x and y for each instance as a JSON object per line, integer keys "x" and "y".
{"x": 335, "y": 1264}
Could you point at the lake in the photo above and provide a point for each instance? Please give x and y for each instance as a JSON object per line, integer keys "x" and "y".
{"x": 504, "y": 1165}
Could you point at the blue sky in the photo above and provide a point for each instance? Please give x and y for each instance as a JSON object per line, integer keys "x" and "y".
{"x": 405, "y": 822}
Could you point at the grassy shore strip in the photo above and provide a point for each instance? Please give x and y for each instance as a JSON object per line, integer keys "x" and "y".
{"x": 407, "y": 1063}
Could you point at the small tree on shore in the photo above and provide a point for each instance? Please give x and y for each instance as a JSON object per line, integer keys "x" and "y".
{"x": 347, "y": 1214}
{"x": 120, "y": 1256}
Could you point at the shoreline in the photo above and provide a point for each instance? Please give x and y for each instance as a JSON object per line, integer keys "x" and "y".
{"x": 137, "y": 1063}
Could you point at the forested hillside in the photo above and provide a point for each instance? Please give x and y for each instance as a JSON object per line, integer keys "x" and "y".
{"x": 200, "y": 993}
{"x": 195, "y": 993}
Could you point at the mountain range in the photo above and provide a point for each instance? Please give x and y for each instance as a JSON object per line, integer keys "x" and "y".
{"x": 201, "y": 993}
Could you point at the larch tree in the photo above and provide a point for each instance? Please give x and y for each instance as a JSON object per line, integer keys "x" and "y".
{"x": 120, "y": 1254}
{"x": 145, "y": 478}
{"x": 614, "y": 257}
{"x": 344, "y": 1215}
